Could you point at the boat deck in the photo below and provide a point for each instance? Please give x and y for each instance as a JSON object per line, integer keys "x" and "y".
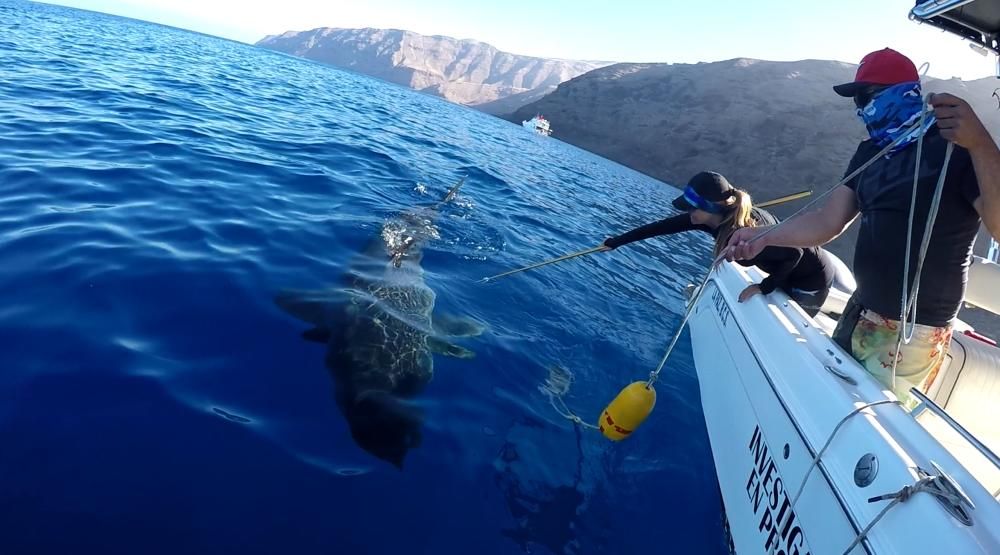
{"x": 967, "y": 389}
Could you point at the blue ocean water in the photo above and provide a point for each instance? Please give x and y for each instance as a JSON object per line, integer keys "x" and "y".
{"x": 158, "y": 188}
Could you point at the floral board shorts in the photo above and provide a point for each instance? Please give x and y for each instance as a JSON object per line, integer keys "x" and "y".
{"x": 873, "y": 344}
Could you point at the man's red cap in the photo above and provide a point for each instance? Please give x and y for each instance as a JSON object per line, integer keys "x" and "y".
{"x": 882, "y": 67}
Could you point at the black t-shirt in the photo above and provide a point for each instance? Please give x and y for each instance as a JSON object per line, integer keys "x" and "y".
{"x": 787, "y": 267}
{"x": 883, "y": 191}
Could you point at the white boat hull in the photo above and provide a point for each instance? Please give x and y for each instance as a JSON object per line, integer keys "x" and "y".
{"x": 771, "y": 404}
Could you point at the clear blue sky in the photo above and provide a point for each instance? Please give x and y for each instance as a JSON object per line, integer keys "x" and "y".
{"x": 622, "y": 30}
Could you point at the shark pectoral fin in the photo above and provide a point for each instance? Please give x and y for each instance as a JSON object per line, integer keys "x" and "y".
{"x": 314, "y": 307}
{"x": 318, "y": 334}
{"x": 304, "y": 305}
{"x": 442, "y": 347}
{"x": 456, "y": 326}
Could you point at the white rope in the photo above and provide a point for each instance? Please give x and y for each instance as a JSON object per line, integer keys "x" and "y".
{"x": 931, "y": 219}
{"x": 560, "y": 406}
{"x": 829, "y": 440}
{"x": 655, "y": 374}
{"x": 556, "y": 385}
{"x": 926, "y": 484}
{"x": 904, "y": 301}
{"x": 908, "y": 297}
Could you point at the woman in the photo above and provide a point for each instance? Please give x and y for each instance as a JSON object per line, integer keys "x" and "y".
{"x": 714, "y": 206}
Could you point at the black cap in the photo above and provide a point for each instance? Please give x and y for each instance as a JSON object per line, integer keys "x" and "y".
{"x": 710, "y": 186}
{"x": 850, "y": 89}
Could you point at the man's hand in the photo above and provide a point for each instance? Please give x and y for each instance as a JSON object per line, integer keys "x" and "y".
{"x": 749, "y": 292}
{"x": 742, "y": 244}
{"x": 958, "y": 122}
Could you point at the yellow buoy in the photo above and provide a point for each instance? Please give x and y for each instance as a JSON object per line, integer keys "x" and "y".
{"x": 627, "y": 411}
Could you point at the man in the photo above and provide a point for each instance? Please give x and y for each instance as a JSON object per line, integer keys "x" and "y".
{"x": 886, "y": 91}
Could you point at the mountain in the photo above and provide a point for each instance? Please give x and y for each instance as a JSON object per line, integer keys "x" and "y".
{"x": 772, "y": 128}
{"x": 463, "y": 71}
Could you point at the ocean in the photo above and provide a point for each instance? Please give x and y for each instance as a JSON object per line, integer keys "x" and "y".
{"x": 160, "y": 188}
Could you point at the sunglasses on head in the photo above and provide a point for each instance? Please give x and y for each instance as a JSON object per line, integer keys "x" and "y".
{"x": 865, "y": 95}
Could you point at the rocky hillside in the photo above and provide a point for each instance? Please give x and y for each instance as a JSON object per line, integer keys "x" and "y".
{"x": 771, "y": 127}
{"x": 464, "y": 71}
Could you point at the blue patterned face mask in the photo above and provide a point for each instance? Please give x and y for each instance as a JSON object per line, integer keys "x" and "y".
{"x": 891, "y": 113}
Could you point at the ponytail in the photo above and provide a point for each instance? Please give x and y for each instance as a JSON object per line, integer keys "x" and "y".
{"x": 740, "y": 215}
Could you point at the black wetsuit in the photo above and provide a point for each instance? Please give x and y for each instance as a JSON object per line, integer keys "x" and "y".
{"x": 805, "y": 275}
{"x": 883, "y": 192}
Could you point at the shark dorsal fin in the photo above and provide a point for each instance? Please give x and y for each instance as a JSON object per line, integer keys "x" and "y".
{"x": 452, "y": 192}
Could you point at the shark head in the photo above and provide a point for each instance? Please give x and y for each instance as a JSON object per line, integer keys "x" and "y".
{"x": 406, "y": 235}
{"x": 385, "y": 426}
{"x": 412, "y": 255}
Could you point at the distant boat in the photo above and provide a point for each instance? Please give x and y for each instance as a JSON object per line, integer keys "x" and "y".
{"x": 538, "y": 124}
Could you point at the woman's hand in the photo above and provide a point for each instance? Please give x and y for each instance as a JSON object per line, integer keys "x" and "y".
{"x": 749, "y": 292}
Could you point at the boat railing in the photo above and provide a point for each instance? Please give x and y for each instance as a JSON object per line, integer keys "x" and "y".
{"x": 926, "y": 404}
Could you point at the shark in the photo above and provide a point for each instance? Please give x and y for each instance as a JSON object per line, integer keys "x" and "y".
{"x": 382, "y": 332}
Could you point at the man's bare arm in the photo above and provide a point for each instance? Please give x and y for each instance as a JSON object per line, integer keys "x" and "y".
{"x": 811, "y": 229}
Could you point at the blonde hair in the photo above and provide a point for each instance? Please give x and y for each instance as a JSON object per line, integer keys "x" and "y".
{"x": 739, "y": 206}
